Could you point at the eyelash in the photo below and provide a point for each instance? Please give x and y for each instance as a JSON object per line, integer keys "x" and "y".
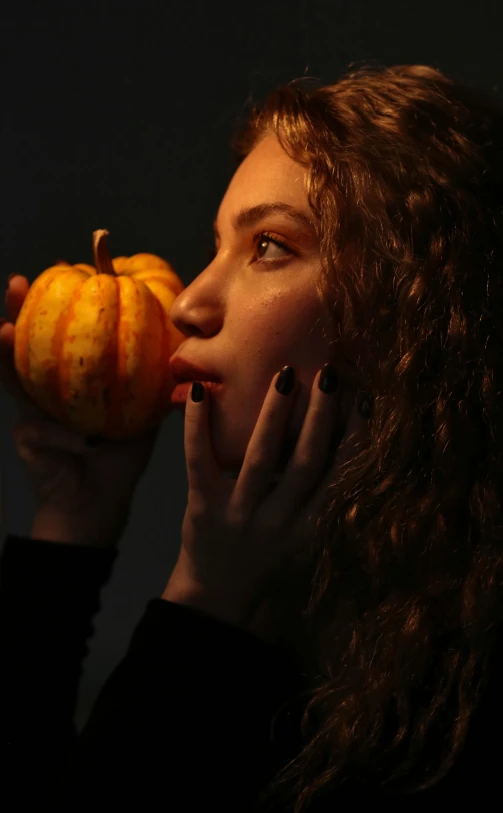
{"x": 264, "y": 234}
{"x": 257, "y": 238}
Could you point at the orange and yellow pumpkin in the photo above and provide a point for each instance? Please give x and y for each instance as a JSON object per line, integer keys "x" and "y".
{"x": 92, "y": 344}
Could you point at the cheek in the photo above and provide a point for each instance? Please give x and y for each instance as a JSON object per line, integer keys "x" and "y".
{"x": 282, "y": 329}
{"x": 234, "y": 413}
{"x": 264, "y": 337}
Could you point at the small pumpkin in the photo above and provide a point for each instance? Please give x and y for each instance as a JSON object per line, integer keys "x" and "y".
{"x": 92, "y": 344}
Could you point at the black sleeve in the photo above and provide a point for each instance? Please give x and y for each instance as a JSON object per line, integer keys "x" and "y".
{"x": 49, "y": 593}
{"x": 183, "y": 721}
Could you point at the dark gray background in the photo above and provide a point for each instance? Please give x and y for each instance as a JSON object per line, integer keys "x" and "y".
{"x": 118, "y": 115}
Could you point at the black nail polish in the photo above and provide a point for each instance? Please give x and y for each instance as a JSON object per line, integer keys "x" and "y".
{"x": 286, "y": 381}
{"x": 197, "y": 391}
{"x": 328, "y": 379}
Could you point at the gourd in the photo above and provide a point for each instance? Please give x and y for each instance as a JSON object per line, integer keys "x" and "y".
{"x": 92, "y": 344}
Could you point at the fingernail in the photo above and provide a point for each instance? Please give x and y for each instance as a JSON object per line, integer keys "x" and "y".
{"x": 328, "y": 379}
{"x": 15, "y": 274}
{"x": 197, "y": 391}
{"x": 365, "y": 406}
{"x": 286, "y": 381}
{"x": 2, "y": 322}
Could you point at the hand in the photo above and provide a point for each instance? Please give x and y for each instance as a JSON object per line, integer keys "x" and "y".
{"x": 83, "y": 493}
{"x": 237, "y": 535}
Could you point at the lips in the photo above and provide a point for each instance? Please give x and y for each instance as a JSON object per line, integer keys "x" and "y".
{"x": 182, "y": 391}
{"x": 182, "y": 370}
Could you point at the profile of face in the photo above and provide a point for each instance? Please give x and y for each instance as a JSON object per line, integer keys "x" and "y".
{"x": 255, "y": 308}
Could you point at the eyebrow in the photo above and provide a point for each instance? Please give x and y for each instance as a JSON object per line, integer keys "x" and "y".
{"x": 248, "y": 217}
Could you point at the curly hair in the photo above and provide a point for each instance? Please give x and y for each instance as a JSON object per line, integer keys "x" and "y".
{"x": 405, "y": 179}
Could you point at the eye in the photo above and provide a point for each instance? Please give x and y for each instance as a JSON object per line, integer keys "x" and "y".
{"x": 265, "y": 239}
{"x": 260, "y": 240}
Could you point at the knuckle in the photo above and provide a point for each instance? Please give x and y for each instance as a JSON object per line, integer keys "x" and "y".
{"x": 304, "y": 468}
{"x": 304, "y": 462}
{"x": 191, "y": 459}
{"x": 256, "y": 462}
{"x": 198, "y": 520}
{"x": 198, "y": 511}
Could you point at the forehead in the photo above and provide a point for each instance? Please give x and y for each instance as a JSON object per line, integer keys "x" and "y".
{"x": 267, "y": 174}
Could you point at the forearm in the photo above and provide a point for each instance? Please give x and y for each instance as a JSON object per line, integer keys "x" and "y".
{"x": 53, "y": 524}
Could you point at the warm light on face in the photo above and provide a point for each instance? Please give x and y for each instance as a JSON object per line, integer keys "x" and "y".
{"x": 255, "y": 308}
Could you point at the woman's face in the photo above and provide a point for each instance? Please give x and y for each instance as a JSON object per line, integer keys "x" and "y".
{"x": 244, "y": 319}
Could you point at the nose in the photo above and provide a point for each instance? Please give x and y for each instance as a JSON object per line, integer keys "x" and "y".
{"x": 198, "y": 309}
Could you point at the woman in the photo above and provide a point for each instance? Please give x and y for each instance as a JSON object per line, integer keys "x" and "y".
{"x": 333, "y": 623}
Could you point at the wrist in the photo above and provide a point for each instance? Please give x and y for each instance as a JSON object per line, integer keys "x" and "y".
{"x": 55, "y": 524}
{"x": 219, "y": 604}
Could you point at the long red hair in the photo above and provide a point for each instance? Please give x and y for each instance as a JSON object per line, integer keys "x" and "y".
{"x": 405, "y": 175}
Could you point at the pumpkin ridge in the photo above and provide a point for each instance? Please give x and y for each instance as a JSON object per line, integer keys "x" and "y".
{"x": 94, "y": 353}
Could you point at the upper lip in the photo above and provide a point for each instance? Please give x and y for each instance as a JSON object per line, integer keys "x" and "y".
{"x": 183, "y": 370}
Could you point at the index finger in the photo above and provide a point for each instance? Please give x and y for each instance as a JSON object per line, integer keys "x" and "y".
{"x": 202, "y": 468}
{"x": 17, "y": 288}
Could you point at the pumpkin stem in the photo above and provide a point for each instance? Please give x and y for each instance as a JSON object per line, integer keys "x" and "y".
{"x": 102, "y": 259}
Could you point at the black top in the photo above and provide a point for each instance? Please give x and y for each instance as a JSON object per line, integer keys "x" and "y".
{"x": 181, "y": 724}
